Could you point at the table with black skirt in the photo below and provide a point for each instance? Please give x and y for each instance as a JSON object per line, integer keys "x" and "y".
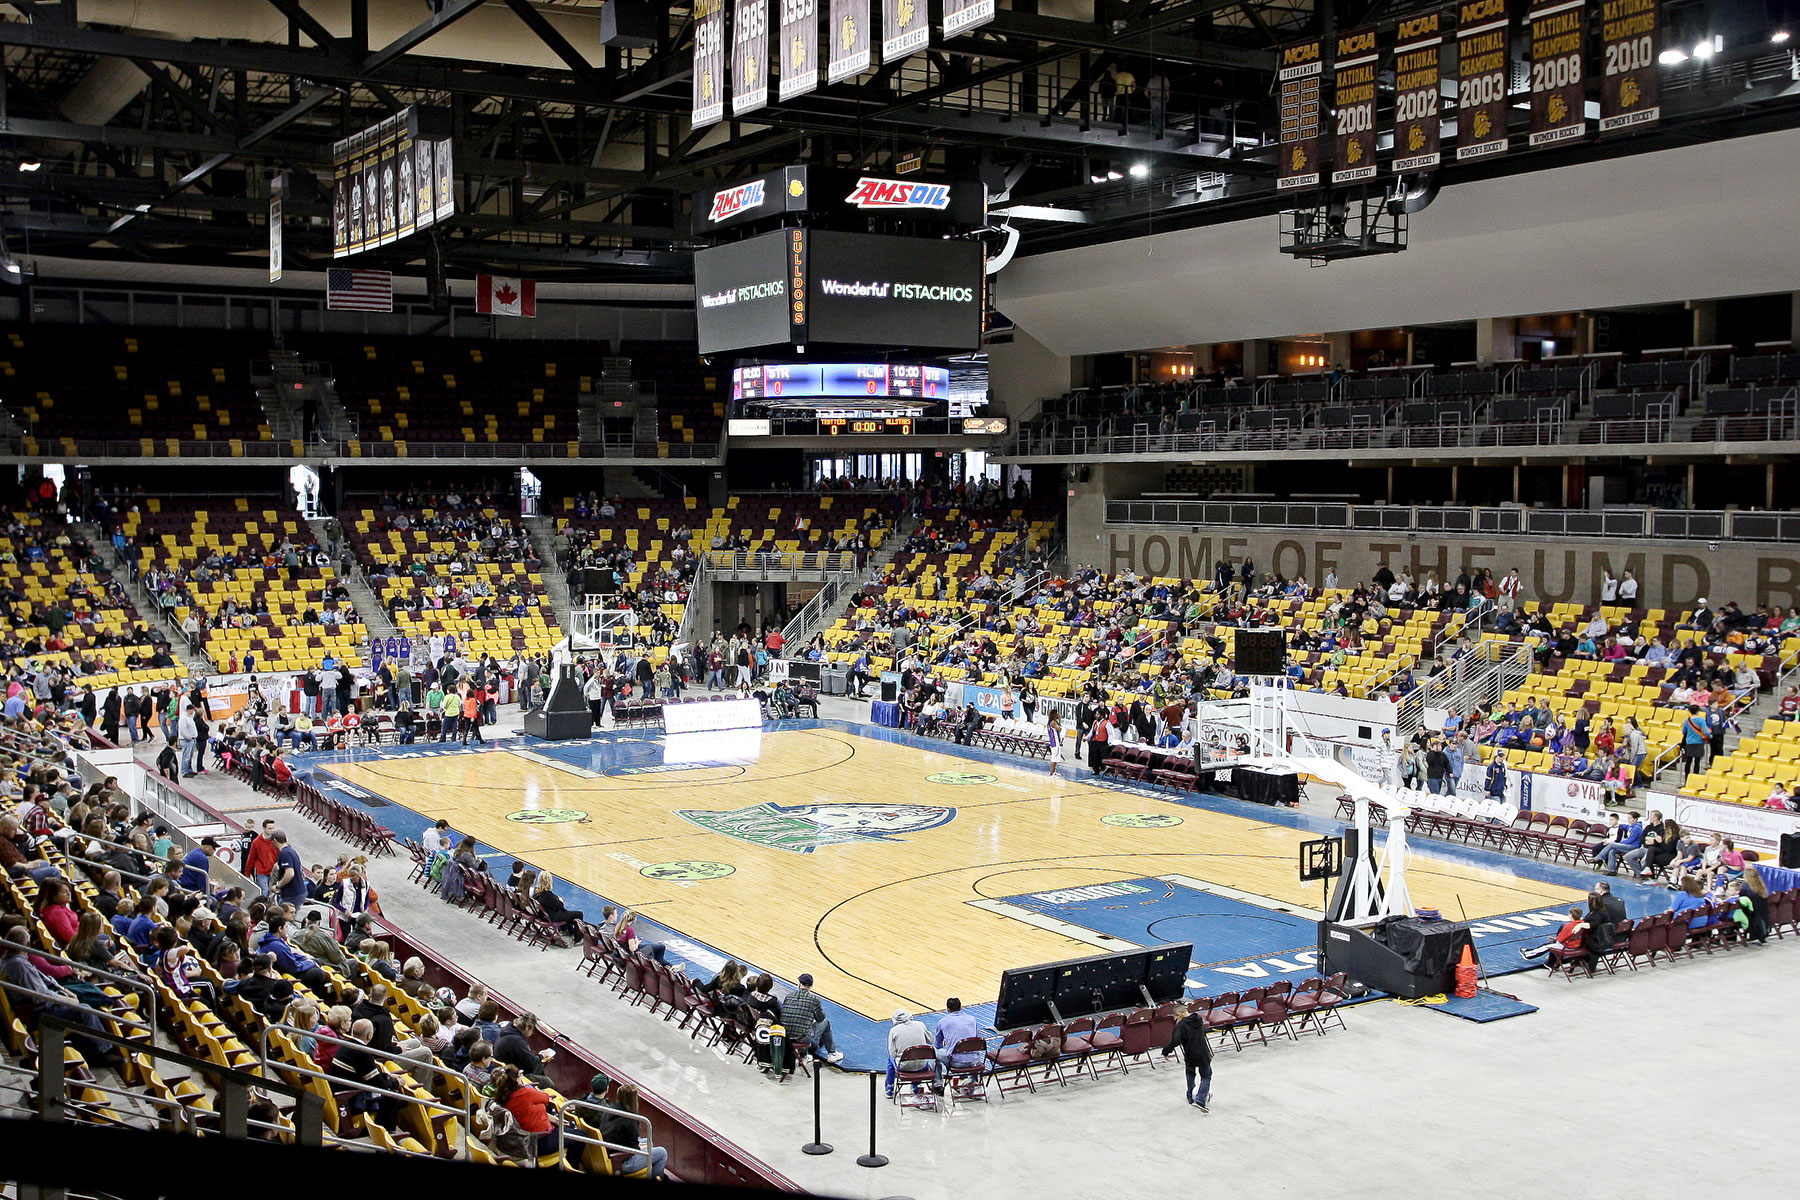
{"x": 1266, "y": 785}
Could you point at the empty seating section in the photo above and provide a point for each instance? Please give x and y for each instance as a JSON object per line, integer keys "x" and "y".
{"x": 72, "y": 612}
{"x": 435, "y": 579}
{"x": 690, "y": 397}
{"x": 151, "y": 387}
{"x": 230, "y": 567}
{"x": 455, "y": 390}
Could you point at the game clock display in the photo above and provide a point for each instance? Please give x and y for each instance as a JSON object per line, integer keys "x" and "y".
{"x": 862, "y": 425}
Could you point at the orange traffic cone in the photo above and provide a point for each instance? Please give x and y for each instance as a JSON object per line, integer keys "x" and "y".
{"x": 1465, "y": 974}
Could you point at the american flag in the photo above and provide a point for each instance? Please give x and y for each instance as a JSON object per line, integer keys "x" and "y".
{"x": 359, "y": 291}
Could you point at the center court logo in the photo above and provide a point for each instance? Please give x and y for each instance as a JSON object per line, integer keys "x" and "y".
{"x": 803, "y": 828}
{"x": 961, "y": 778}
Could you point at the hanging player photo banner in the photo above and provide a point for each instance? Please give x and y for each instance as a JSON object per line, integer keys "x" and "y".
{"x": 799, "y": 48}
{"x": 387, "y": 177}
{"x": 749, "y": 56}
{"x": 1558, "y": 72}
{"x": 847, "y": 40}
{"x": 368, "y": 220}
{"x": 444, "y": 166}
{"x": 960, "y": 16}
{"x": 1417, "y": 93}
{"x": 1483, "y": 37}
{"x": 709, "y": 62}
{"x": 1353, "y": 106}
{"x": 424, "y": 176}
{"x": 405, "y": 194}
{"x": 340, "y": 200}
{"x": 1628, "y": 37}
{"x": 905, "y": 27}
{"x": 277, "y": 185}
{"x": 1302, "y": 65}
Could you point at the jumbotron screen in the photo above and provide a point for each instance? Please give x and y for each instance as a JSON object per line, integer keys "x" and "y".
{"x": 873, "y": 290}
{"x": 841, "y": 381}
{"x": 741, "y": 294}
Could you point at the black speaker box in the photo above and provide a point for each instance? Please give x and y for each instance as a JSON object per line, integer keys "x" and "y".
{"x": 1259, "y": 651}
{"x": 630, "y": 24}
{"x": 1790, "y": 851}
{"x": 890, "y": 690}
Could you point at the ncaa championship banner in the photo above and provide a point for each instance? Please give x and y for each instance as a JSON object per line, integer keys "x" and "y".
{"x": 847, "y": 39}
{"x": 709, "y": 62}
{"x": 905, "y": 28}
{"x": 1301, "y": 67}
{"x": 799, "y": 48}
{"x": 1628, "y": 37}
{"x": 749, "y": 56}
{"x": 1483, "y": 35}
{"x": 1353, "y": 106}
{"x": 1558, "y": 73}
{"x": 960, "y": 16}
{"x": 1417, "y": 93}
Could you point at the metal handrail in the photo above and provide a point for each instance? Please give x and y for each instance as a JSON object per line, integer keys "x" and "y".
{"x": 234, "y": 1086}
{"x": 133, "y": 982}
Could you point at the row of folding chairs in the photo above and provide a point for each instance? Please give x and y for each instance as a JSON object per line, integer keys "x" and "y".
{"x": 629, "y": 713}
{"x": 348, "y": 823}
{"x": 486, "y": 898}
{"x": 643, "y": 981}
{"x": 1669, "y": 937}
{"x": 1500, "y": 826}
{"x": 1010, "y": 743}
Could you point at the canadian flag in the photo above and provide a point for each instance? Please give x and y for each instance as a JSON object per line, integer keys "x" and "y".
{"x": 505, "y": 296}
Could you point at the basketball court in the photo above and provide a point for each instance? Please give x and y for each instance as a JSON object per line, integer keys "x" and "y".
{"x": 899, "y": 871}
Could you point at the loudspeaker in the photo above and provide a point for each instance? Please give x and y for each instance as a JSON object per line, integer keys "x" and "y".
{"x": 1259, "y": 651}
{"x": 890, "y": 690}
{"x": 629, "y": 24}
{"x": 1790, "y": 851}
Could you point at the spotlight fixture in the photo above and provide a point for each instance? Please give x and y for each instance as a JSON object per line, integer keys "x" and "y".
{"x": 1672, "y": 57}
{"x": 29, "y": 165}
{"x": 1139, "y": 170}
{"x": 1779, "y": 37}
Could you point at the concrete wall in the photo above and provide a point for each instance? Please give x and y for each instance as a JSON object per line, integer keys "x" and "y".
{"x": 1024, "y": 370}
{"x": 1670, "y": 574}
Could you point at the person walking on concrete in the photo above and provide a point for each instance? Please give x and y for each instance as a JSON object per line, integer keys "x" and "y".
{"x": 1190, "y": 1035}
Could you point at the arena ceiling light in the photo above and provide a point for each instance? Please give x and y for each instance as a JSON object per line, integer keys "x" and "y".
{"x": 30, "y": 165}
{"x": 1672, "y": 57}
{"x": 1139, "y": 170}
{"x": 1779, "y": 37}
{"x": 1705, "y": 48}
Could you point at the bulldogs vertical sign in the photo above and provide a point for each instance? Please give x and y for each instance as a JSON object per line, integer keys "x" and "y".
{"x": 1417, "y": 92}
{"x": 799, "y": 47}
{"x": 1483, "y": 37}
{"x": 709, "y": 62}
{"x": 749, "y": 56}
{"x": 1628, "y": 35}
{"x": 847, "y": 37}
{"x": 1302, "y": 65}
{"x": 1558, "y": 71}
{"x": 1353, "y": 107}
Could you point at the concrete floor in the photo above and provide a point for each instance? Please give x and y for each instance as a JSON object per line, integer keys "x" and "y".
{"x": 1405, "y": 1102}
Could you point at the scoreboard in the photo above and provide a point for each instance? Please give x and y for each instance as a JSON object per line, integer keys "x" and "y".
{"x": 844, "y": 381}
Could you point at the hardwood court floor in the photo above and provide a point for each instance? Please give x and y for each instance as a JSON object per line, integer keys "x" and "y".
{"x": 859, "y": 860}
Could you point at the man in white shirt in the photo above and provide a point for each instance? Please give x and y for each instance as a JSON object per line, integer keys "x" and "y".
{"x": 1628, "y": 589}
{"x": 1609, "y": 587}
{"x": 1509, "y": 590}
{"x": 906, "y": 1033}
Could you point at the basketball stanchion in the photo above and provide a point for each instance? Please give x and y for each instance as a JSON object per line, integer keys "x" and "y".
{"x": 872, "y": 1159}
{"x": 818, "y": 1145}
